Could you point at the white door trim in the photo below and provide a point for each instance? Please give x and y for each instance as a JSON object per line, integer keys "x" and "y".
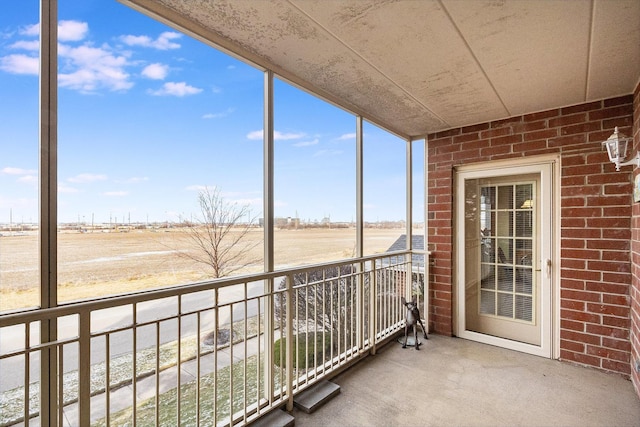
{"x": 548, "y": 166}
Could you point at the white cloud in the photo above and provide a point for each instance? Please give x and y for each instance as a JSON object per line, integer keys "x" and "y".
{"x": 33, "y": 45}
{"x": 31, "y": 30}
{"x": 72, "y": 31}
{"x": 28, "y": 179}
{"x": 67, "y": 30}
{"x": 116, "y": 193}
{"x": 18, "y": 171}
{"x": 218, "y": 115}
{"x": 256, "y": 134}
{"x": 306, "y": 143}
{"x": 137, "y": 179}
{"x": 197, "y": 187}
{"x": 277, "y": 135}
{"x": 327, "y": 153}
{"x": 92, "y": 68}
{"x": 155, "y": 71}
{"x": 163, "y": 42}
{"x": 66, "y": 189}
{"x": 176, "y": 89}
{"x": 20, "y": 64}
{"x": 248, "y": 202}
{"x": 87, "y": 177}
{"x": 347, "y": 136}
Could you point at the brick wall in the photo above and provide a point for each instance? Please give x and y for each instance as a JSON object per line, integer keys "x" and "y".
{"x": 596, "y": 212}
{"x": 635, "y": 258}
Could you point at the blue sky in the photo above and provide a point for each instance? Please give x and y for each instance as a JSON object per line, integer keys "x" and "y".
{"x": 148, "y": 116}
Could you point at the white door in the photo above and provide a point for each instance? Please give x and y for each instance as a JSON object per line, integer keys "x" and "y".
{"x": 504, "y": 253}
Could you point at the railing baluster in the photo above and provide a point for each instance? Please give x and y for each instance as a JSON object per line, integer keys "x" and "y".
{"x": 157, "y": 376}
{"x": 27, "y": 373}
{"x": 289, "y": 339}
{"x": 134, "y": 377}
{"x": 374, "y": 306}
{"x": 107, "y": 389}
{"x": 215, "y": 356}
{"x": 179, "y": 364}
{"x": 198, "y": 352}
{"x": 246, "y": 354}
{"x": 84, "y": 369}
{"x": 231, "y": 363}
{"x": 60, "y": 408}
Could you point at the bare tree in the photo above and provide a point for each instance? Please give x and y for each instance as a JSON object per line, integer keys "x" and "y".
{"x": 221, "y": 234}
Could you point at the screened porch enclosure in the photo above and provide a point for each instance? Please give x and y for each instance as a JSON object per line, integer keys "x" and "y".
{"x": 174, "y": 345}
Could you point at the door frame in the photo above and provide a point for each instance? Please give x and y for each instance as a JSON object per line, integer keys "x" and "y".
{"x": 548, "y": 166}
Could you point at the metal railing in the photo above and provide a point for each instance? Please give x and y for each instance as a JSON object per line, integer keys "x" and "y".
{"x": 223, "y": 352}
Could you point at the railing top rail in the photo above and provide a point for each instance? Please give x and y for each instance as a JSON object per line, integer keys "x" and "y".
{"x": 88, "y": 306}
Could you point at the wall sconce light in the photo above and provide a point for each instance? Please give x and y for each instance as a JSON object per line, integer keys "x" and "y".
{"x": 617, "y": 149}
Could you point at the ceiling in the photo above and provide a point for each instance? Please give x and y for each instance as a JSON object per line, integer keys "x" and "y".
{"x": 417, "y": 67}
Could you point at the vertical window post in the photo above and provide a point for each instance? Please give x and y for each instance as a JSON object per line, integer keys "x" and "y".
{"x": 48, "y": 206}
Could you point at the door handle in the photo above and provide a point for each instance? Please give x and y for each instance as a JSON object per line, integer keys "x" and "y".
{"x": 547, "y": 268}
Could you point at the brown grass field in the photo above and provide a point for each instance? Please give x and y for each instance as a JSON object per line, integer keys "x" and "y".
{"x": 99, "y": 264}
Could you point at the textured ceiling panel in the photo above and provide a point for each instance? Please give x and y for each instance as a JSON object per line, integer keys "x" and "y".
{"x": 615, "y": 49}
{"x": 417, "y": 67}
{"x": 409, "y": 42}
{"x": 519, "y": 48}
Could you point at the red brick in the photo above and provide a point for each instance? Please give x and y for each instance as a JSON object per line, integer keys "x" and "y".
{"x": 506, "y": 122}
{"x": 582, "y": 107}
{"x": 572, "y": 346}
{"x": 608, "y": 353}
{"x": 617, "y": 111}
{"x": 580, "y": 254}
{"x": 565, "y": 120}
{"x": 623, "y": 278}
{"x": 508, "y": 139}
{"x": 567, "y": 283}
{"x": 572, "y": 325}
{"x": 491, "y": 133}
{"x": 611, "y": 310}
{"x": 541, "y": 115}
{"x": 475, "y": 128}
{"x": 580, "y": 295}
{"x": 581, "y": 317}
{"x": 618, "y": 344}
{"x": 580, "y": 128}
{"x": 616, "y": 366}
{"x": 579, "y": 232}
{"x": 618, "y": 322}
{"x": 607, "y": 331}
{"x": 623, "y": 300}
{"x": 465, "y": 137}
{"x": 580, "y": 358}
{"x": 495, "y": 151}
{"x": 610, "y": 288}
{"x": 625, "y": 99}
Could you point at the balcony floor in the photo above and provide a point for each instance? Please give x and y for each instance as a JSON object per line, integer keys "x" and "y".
{"x": 455, "y": 382}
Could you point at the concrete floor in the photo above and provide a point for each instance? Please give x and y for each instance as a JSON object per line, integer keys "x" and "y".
{"x": 455, "y": 382}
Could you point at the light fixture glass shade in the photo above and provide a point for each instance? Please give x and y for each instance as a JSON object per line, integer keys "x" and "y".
{"x": 616, "y": 147}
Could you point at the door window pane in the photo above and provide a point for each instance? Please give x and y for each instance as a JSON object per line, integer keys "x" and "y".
{"x": 506, "y": 262}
